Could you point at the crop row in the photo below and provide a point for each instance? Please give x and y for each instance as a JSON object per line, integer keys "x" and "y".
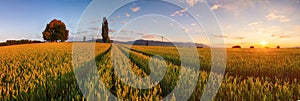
{"x": 271, "y": 63}
{"x": 240, "y": 87}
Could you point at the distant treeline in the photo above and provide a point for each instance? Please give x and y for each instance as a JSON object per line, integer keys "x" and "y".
{"x": 17, "y": 42}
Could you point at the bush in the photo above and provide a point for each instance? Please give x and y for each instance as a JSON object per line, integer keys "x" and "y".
{"x": 236, "y": 47}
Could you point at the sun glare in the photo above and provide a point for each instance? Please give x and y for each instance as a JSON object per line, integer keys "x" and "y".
{"x": 264, "y": 43}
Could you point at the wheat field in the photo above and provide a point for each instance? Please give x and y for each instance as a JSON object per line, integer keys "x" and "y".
{"x": 44, "y": 72}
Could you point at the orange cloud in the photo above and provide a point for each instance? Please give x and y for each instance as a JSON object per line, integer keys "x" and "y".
{"x": 149, "y": 36}
{"x": 238, "y": 38}
{"x": 135, "y": 9}
{"x": 193, "y": 2}
{"x": 127, "y": 14}
{"x": 186, "y": 30}
{"x": 280, "y": 36}
{"x": 179, "y": 12}
{"x": 215, "y": 7}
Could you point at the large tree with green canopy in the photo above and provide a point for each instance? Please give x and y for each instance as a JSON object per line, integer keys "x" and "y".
{"x": 56, "y": 31}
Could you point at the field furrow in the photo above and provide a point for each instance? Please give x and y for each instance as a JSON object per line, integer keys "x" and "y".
{"x": 171, "y": 75}
{"x": 115, "y": 63}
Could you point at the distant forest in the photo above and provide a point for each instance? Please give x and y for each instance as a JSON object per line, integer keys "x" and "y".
{"x": 16, "y": 42}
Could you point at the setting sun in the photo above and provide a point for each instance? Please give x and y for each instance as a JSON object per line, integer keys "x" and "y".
{"x": 264, "y": 43}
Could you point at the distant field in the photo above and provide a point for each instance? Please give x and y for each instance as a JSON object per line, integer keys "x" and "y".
{"x": 271, "y": 63}
{"x": 44, "y": 71}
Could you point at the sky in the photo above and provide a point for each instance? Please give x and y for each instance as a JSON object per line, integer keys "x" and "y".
{"x": 259, "y": 23}
{"x": 27, "y": 19}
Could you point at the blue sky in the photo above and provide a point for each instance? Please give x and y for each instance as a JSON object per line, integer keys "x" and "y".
{"x": 243, "y": 22}
{"x": 28, "y": 18}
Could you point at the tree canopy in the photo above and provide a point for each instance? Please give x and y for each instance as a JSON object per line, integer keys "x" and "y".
{"x": 237, "y": 46}
{"x": 55, "y": 31}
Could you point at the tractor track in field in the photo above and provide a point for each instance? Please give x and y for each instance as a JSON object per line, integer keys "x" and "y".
{"x": 131, "y": 60}
{"x": 107, "y": 61}
{"x": 175, "y": 62}
{"x": 143, "y": 66}
{"x": 132, "y": 56}
{"x": 140, "y": 61}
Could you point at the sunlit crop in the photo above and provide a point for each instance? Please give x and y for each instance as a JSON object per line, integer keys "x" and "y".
{"x": 39, "y": 71}
{"x": 44, "y": 71}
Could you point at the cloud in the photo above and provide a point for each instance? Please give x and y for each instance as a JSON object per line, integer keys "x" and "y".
{"x": 135, "y": 9}
{"x": 118, "y": 16}
{"x": 284, "y": 20}
{"x": 280, "y": 36}
{"x": 193, "y": 24}
{"x": 127, "y": 14}
{"x": 149, "y": 36}
{"x": 112, "y": 21}
{"x": 112, "y": 31}
{"x": 238, "y": 38}
{"x": 228, "y": 37}
{"x": 180, "y": 12}
{"x": 123, "y": 31}
{"x": 192, "y": 2}
{"x": 186, "y": 30}
{"x": 132, "y": 31}
{"x": 175, "y": 13}
{"x": 283, "y": 36}
{"x": 139, "y": 33}
{"x": 184, "y": 10}
{"x": 124, "y": 22}
{"x": 82, "y": 32}
{"x": 274, "y": 16}
{"x": 121, "y": 38}
{"x": 215, "y": 7}
{"x": 256, "y": 23}
{"x": 95, "y": 29}
{"x": 238, "y": 7}
{"x": 220, "y": 36}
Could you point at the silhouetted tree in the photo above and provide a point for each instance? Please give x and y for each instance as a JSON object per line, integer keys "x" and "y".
{"x": 56, "y": 30}
{"x": 105, "y": 31}
{"x": 16, "y": 42}
{"x": 251, "y": 46}
{"x": 236, "y": 47}
{"x": 278, "y": 47}
{"x": 147, "y": 43}
{"x": 84, "y": 39}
